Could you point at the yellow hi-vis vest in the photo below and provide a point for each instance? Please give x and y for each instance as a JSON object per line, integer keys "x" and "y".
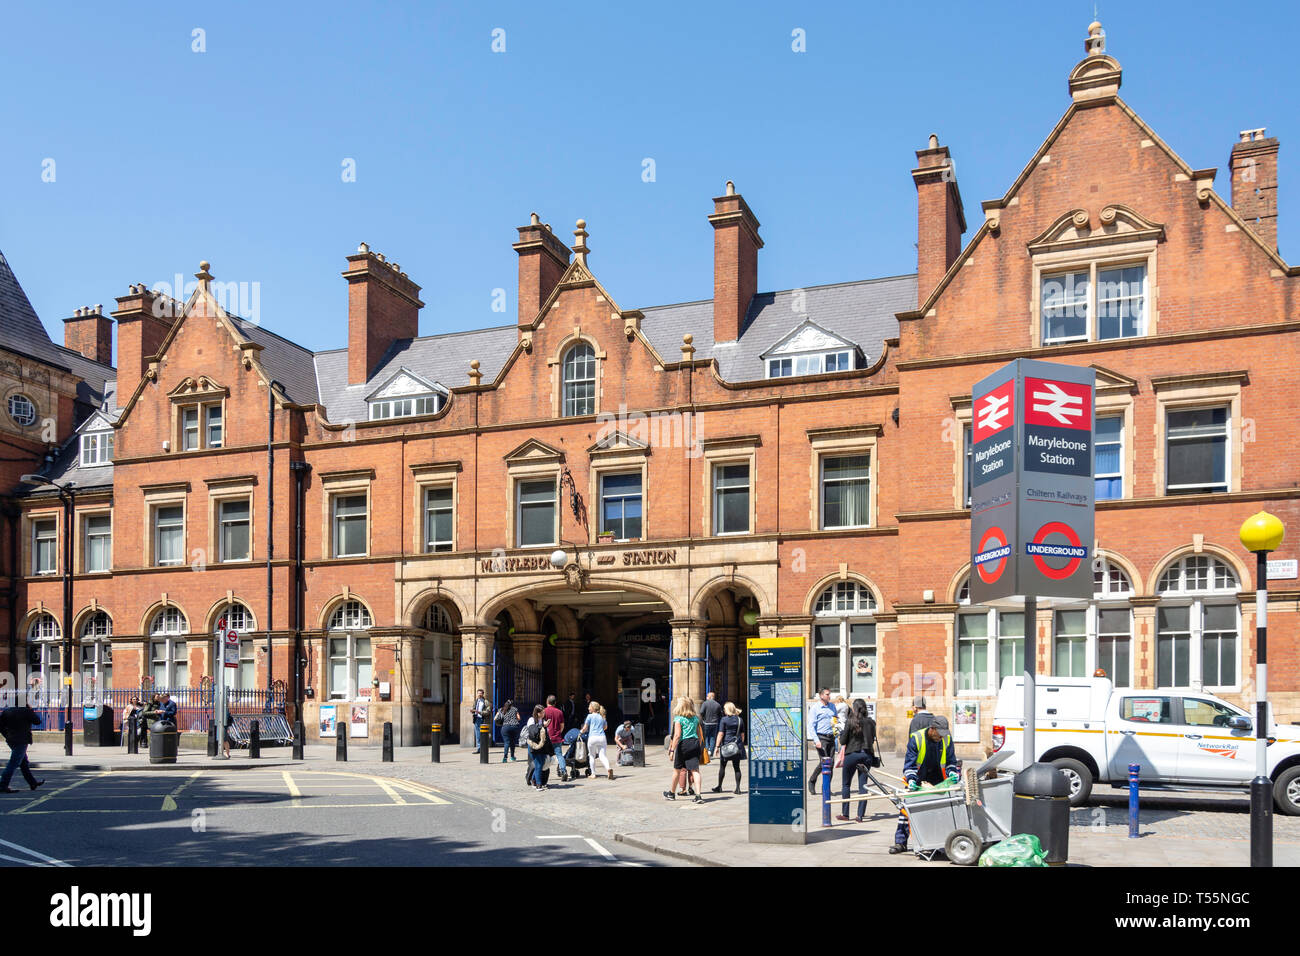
{"x": 921, "y": 737}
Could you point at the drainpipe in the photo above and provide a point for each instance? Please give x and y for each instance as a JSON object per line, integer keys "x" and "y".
{"x": 270, "y": 526}
{"x": 299, "y": 469}
{"x": 13, "y": 514}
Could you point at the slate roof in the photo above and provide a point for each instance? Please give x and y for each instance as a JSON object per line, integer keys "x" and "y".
{"x": 863, "y": 312}
{"x": 287, "y": 362}
{"x": 439, "y": 358}
{"x": 20, "y": 329}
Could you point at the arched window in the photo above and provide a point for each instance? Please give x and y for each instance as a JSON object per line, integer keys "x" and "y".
{"x": 350, "y": 663}
{"x": 168, "y": 650}
{"x": 985, "y": 635}
{"x": 844, "y": 639}
{"x": 438, "y": 620}
{"x": 349, "y": 615}
{"x": 1100, "y": 635}
{"x": 96, "y": 654}
{"x": 579, "y": 369}
{"x": 238, "y": 618}
{"x": 45, "y": 658}
{"x": 1198, "y": 625}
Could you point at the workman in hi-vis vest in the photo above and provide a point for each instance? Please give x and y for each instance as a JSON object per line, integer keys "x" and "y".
{"x": 930, "y": 759}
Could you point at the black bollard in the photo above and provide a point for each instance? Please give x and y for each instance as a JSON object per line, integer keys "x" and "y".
{"x": 298, "y": 734}
{"x": 341, "y": 743}
{"x": 212, "y": 738}
{"x": 484, "y": 742}
{"x": 388, "y": 742}
{"x": 436, "y": 735}
{"x": 254, "y": 740}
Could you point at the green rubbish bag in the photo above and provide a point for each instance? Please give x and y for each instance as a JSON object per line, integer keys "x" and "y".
{"x": 1023, "y": 849}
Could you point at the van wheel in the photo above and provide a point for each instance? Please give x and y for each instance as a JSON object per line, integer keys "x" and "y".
{"x": 1286, "y": 791}
{"x": 1080, "y": 779}
{"x": 963, "y": 847}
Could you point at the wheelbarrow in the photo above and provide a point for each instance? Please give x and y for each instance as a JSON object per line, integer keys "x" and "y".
{"x": 962, "y": 819}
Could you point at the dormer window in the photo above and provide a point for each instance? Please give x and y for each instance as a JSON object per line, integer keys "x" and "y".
{"x": 809, "y": 349}
{"x": 405, "y": 395}
{"x": 96, "y": 448}
{"x": 815, "y": 364}
{"x": 405, "y": 407}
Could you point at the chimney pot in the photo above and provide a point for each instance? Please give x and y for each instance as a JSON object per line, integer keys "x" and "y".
{"x": 735, "y": 263}
{"x": 383, "y": 307}
{"x": 1253, "y": 164}
{"x": 940, "y": 218}
{"x": 542, "y": 260}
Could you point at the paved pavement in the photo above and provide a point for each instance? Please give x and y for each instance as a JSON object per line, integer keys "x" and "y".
{"x": 1177, "y": 829}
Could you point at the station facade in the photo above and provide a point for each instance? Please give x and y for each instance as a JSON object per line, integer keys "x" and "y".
{"x": 602, "y": 499}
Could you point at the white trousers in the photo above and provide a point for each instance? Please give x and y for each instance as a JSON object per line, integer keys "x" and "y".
{"x": 596, "y": 749}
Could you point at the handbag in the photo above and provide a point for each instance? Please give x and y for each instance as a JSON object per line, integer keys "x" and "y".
{"x": 704, "y": 755}
{"x": 839, "y": 758}
{"x": 731, "y": 749}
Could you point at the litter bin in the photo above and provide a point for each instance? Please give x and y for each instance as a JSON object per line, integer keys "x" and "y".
{"x": 1042, "y": 807}
{"x": 638, "y": 745}
{"x": 97, "y": 722}
{"x": 163, "y": 742}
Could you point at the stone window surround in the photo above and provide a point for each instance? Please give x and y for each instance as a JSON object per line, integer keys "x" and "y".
{"x": 619, "y": 460}
{"x": 80, "y": 557}
{"x": 739, "y": 450}
{"x": 339, "y": 484}
{"x": 221, "y": 490}
{"x": 1091, "y": 259}
{"x": 425, "y": 477}
{"x": 556, "y": 364}
{"x": 161, "y": 496}
{"x": 838, "y": 442}
{"x": 30, "y": 521}
{"x": 202, "y": 401}
{"x": 1181, "y": 392}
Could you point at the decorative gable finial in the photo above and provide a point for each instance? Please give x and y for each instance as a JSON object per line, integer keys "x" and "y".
{"x": 1096, "y": 41}
{"x": 204, "y": 275}
{"x": 580, "y": 249}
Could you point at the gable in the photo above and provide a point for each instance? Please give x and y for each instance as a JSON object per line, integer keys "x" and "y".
{"x": 534, "y": 451}
{"x": 808, "y": 337}
{"x": 405, "y": 382}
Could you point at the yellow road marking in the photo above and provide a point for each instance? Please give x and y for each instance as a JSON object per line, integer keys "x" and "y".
{"x": 27, "y": 807}
{"x": 293, "y": 789}
{"x": 431, "y": 796}
{"x": 393, "y": 794}
{"x": 169, "y": 801}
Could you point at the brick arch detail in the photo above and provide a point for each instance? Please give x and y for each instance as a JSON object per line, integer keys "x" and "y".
{"x": 1215, "y": 551}
{"x": 815, "y": 592}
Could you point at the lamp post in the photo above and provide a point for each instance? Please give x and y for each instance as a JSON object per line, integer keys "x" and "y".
{"x": 67, "y": 494}
{"x": 1261, "y": 533}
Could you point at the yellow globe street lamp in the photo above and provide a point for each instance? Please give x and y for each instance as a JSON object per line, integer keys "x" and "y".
{"x": 1261, "y": 533}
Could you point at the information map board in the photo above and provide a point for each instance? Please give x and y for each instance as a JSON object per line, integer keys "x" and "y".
{"x": 776, "y": 740}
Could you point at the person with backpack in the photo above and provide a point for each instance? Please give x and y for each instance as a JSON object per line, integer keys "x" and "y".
{"x": 508, "y": 718}
{"x": 16, "y": 725}
{"x": 539, "y": 747}
{"x": 858, "y": 740}
{"x": 730, "y": 743}
{"x": 593, "y": 730}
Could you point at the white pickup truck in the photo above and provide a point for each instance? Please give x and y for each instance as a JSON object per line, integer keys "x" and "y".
{"x": 1181, "y": 740}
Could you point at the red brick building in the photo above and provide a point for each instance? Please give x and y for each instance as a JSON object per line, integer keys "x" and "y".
{"x": 598, "y": 495}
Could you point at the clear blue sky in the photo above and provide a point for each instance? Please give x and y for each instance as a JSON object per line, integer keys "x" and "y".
{"x": 164, "y": 156}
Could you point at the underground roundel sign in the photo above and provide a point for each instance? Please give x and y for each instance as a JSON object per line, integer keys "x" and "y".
{"x": 991, "y": 559}
{"x": 1041, "y": 550}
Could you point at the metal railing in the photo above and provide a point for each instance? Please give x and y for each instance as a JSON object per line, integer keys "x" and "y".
{"x": 195, "y": 706}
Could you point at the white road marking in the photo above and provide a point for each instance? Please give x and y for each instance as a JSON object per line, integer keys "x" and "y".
{"x": 40, "y": 856}
{"x": 600, "y": 849}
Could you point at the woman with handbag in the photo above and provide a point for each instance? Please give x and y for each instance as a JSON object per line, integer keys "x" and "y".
{"x": 593, "y": 731}
{"x": 730, "y": 743}
{"x": 539, "y": 746}
{"x": 508, "y": 718}
{"x": 858, "y": 741}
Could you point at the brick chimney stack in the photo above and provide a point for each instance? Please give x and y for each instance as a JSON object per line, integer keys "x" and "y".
{"x": 542, "y": 260}
{"x": 1253, "y": 164}
{"x": 144, "y": 317}
{"x": 735, "y": 263}
{"x": 383, "y": 306}
{"x": 90, "y": 332}
{"x": 940, "y": 218}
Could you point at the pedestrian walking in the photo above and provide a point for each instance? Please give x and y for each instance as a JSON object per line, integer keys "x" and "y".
{"x": 730, "y": 743}
{"x": 508, "y": 718}
{"x": 593, "y": 729}
{"x": 539, "y": 747}
{"x": 225, "y": 738}
{"x": 684, "y": 747}
{"x": 930, "y": 759}
{"x": 821, "y": 731}
{"x": 477, "y": 716}
{"x": 921, "y": 718}
{"x": 710, "y": 714}
{"x": 16, "y": 725}
{"x": 555, "y": 724}
{"x": 858, "y": 740}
